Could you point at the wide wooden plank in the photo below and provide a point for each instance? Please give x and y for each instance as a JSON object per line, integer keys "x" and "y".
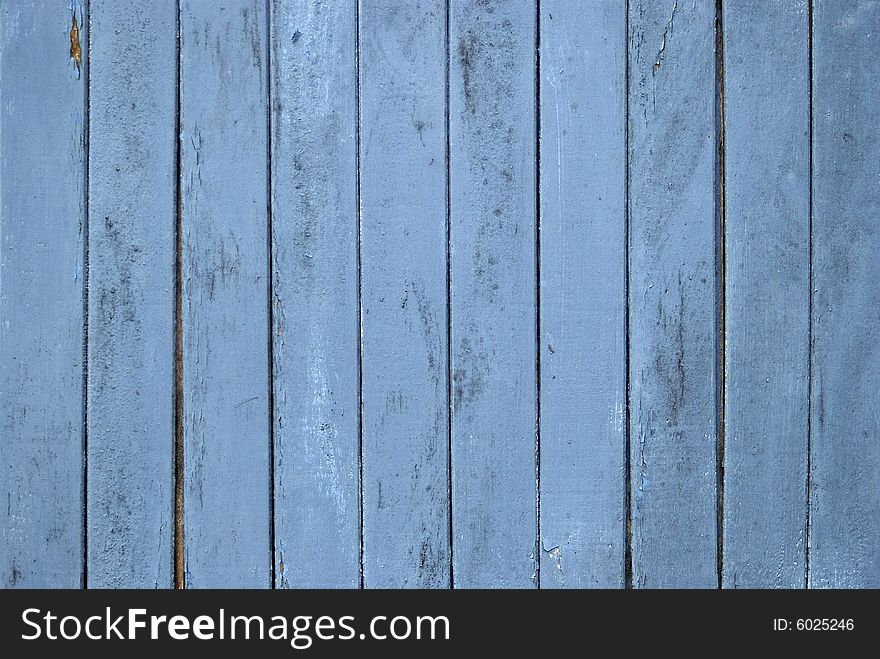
{"x": 403, "y": 282}
{"x": 583, "y": 299}
{"x": 672, "y": 294}
{"x": 43, "y": 60}
{"x": 224, "y": 228}
{"x": 767, "y": 238}
{"x": 132, "y": 150}
{"x": 493, "y": 263}
{"x": 315, "y": 294}
{"x": 845, "y": 437}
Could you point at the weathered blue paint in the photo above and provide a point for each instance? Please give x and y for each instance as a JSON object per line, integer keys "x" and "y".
{"x": 493, "y": 261}
{"x": 403, "y": 293}
{"x": 672, "y": 293}
{"x": 583, "y": 300}
{"x": 132, "y": 211}
{"x": 315, "y": 294}
{"x": 444, "y": 275}
{"x": 766, "y": 315}
{"x": 42, "y": 229}
{"x": 845, "y": 438}
{"x": 224, "y": 225}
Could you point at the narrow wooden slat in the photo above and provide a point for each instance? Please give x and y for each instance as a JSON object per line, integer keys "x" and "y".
{"x": 42, "y": 229}
{"x": 315, "y": 294}
{"x": 493, "y": 261}
{"x": 672, "y": 295}
{"x": 583, "y": 300}
{"x": 403, "y": 282}
{"x": 845, "y": 495}
{"x": 132, "y": 150}
{"x": 224, "y": 224}
{"x": 767, "y": 187}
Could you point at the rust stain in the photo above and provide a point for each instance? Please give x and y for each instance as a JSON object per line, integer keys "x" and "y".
{"x": 179, "y": 463}
{"x": 75, "y": 49}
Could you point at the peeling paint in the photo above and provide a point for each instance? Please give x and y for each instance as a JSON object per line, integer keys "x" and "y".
{"x": 667, "y": 32}
{"x": 75, "y": 48}
{"x": 555, "y": 553}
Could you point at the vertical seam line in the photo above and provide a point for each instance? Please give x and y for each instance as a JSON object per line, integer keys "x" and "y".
{"x": 538, "y": 293}
{"x": 809, "y": 479}
{"x": 721, "y": 293}
{"x": 627, "y": 559}
{"x": 270, "y": 295}
{"x": 179, "y": 551}
{"x": 360, "y": 320}
{"x": 449, "y": 401}
{"x": 85, "y": 294}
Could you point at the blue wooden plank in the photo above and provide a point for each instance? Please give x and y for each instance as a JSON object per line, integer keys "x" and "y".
{"x": 672, "y": 293}
{"x": 315, "y": 294}
{"x": 224, "y": 225}
{"x": 42, "y": 228}
{"x": 132, "y": 149}
{"x": 767, "y": 236}
{"x": 583, "y": 299}
{"x": 403, "y": 281}
{"x": 493, "y": 265}
{"x": 845, "y": 437}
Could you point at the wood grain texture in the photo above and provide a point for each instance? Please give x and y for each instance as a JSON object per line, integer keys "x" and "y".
{"x": 42, "y": 229}
{"x": 845, "y": 496}
{"x": 583, "y": 299}
{"x": 477, "y": 293}
{"x": 672, "y": 295}
{"x": 224, "y": 224}
{"x": 132, "y": 150}
{"x": 403, "y": 284}
{"x": 493, "y": 262}
{"x": 315, "y": 294}
{"x": 767, "y": 189}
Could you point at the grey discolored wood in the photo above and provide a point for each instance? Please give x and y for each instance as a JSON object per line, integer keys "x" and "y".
{"x": 403, "y": 287}
{"x": 493, "y": 262}
{"x": 42, "y": 270}
{"x": 132, "y": 150}
{"x": 767, "y": 188}
{"x": 315, "y": 294}
{"x": 225, "y": 248}
{"x": 845, "y": 439}
{"x": 672, "y": 295}
{"x": 583, "y": 299}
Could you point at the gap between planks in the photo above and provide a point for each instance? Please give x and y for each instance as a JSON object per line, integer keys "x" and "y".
{"x": 721, "y": 265}
{"x": 179, "y": 550}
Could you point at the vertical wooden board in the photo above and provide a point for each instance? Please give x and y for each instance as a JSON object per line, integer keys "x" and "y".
{"x": 845, "y": 441}
{"x": 672, "y": 294}
{"x": 403, "y": 282}
{"x": 42, "y": 228}
{"x": 767, "y": 187}
{"x": 315, "y": 294}
{"x": 493, "y": 262}
{"x": 583, "y": 300}
{"x": 132, "y": 150}
{"x": 224, "y": 224}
